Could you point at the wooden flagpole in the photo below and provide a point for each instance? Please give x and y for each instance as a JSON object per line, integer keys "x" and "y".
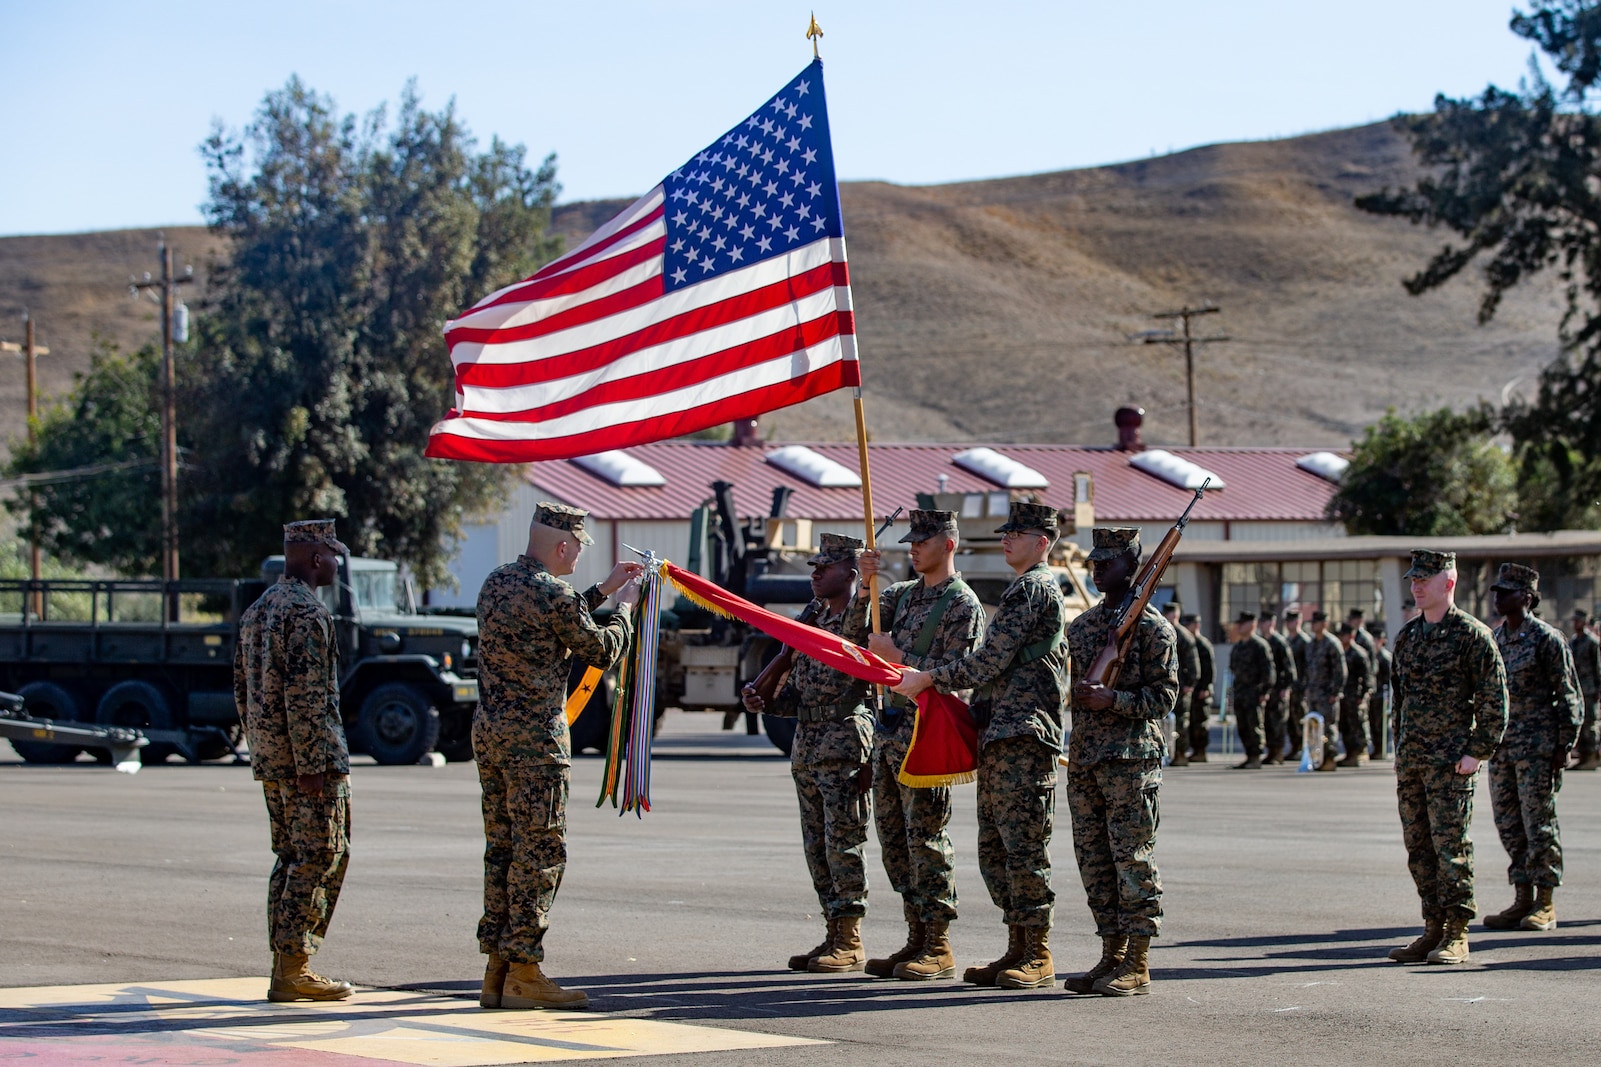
{"x": 867, "y": 501}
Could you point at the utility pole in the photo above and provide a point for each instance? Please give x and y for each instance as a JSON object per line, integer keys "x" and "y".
{"x": 166, "y": 286}
{"x": 30, "y": 353}
{"x": 1168, "y": 337}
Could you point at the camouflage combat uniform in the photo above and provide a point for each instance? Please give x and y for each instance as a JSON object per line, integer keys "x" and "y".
{"x": 1586, "y": 652}
{"x": 1115, "y": 772}
{"x": 1543, "y": 719}
{"x": 286, "y": 687}
{"x": 1353, "y": 701}
{"x": 1189, "y": 657}
{"x": 1020, "y": 673}
{"x": 1450, "y": 701}
{"x": 1379, "y": 702}
{"x": 833, "y": 738}
{"x": 1278, "y": 727}
{"x": 1325, "y": 683}
{"x": 1295, "y": 707}
{"x": 913, "y": 824}
{"x": 529, "y": 623}
{"x": 1201, "y": 699}
{"x": 1251, "y": 665}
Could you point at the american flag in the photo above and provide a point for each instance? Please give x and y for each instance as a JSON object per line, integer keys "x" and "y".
{"x": 720, "y": 294}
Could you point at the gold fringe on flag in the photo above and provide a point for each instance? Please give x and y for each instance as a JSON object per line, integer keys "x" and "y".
{"x": 929, "y": 781}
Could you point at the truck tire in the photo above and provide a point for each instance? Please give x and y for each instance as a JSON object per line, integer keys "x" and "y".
{"x": 139, "y": 705}
{"x": 397, "y": 725}
{"x": 47, "y": 700}
{"x": 780, "y": 731}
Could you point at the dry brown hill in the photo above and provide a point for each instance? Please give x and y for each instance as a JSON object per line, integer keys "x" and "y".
{"x": 1001, "y": 310}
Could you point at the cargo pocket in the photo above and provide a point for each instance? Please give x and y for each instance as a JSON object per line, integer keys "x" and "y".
{"x": 322, "y": 822}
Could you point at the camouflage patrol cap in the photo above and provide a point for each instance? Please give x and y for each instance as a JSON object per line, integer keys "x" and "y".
{"x": 1188, "y": 617}
{"x": 835, "y": 548}
{"x": 1347, "y": 630}
{"x": 1580, "y": 613}
{"x": 1172, "y": 605}
{"x": 1112, "y": 541}
{"x": 1354, "y": 613}
{"x": 1293, "y": 613}
{"x": 562, "y": 517}
{"x": 1023, "y": 516}
{"x": 1515, "y": 578}
{"x": 926, "y": 524}
{"x": 1320, "y": 616}
{"x": 1427, "y": 562}
{"x": 314, "y": 532}
{"x": 1246, "y": 616}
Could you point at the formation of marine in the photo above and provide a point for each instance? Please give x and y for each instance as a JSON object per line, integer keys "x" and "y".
{"x": 1522, "y": 698}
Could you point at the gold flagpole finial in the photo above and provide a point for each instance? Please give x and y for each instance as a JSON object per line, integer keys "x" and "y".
{"x": 813, "y": 32}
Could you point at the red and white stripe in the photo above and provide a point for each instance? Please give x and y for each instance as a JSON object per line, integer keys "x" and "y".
{"x": 593, "y": 353}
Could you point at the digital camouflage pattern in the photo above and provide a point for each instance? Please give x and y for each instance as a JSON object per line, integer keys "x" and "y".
{"x": 1201, "y": 706}
{"x": 833, "y": 738}
{"x": 1325, "y": 679}
{"x": 1586, "y": 652}
{"x": 1016, "y": 814}
{"x": 1017, "y": 700}
{"x": 1523, "y": 798}
{"x": 1251, "y": 667}
{"x": 530, "y": 623}
{"x": 1353, "y": 700}
{"x": 913, "y": 825}
{"x": 1436, "y": 806}
{"x": 1276, "y": 711}
{"x": 1544, "y": 708}
{"x": 1115, "y": 811}
{"x": 1364, "y": 640}
{"x": 1379, "y": 699}
{"x": 286, "y": 684}
{"x": 1545, "y": 712}
{"x": 1295, "y": 707}
{"x": 1116, "y": 769}
{"x": 1146, "y": 689}
{"x": 1450, "y": 701}
{"x": 1189, "y": 659}
{"x": 310, "y": 836}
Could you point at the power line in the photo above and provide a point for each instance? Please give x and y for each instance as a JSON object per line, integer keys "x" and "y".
{"x": 1189, "y": 341}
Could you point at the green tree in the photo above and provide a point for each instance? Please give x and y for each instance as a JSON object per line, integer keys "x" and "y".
{"x": 1517, "y": 177}
{"x": 1438, "y": 474}
{"x": 319, "y": 366}
{"x": 104, "y": 440}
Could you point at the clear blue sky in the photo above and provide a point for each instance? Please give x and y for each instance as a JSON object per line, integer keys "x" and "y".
{"x": 105, "y": 103}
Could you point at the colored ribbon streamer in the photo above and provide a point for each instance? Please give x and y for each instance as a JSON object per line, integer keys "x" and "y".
{"x": 580, "y": 696}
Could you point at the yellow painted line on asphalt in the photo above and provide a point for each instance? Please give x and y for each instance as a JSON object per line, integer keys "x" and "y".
{"x": 62, "y": 1025}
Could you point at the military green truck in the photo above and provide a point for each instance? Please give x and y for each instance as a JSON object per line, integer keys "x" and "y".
{"x": 158, "y": 657}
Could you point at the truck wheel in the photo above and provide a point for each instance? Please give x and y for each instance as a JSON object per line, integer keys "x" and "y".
{"x": 396, "y": 725}
{"x": 47, "y": 700}
{"x": 138, "y": 705}
{"x": 780, "y": 731}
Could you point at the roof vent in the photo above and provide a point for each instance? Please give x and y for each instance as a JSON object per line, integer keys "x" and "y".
{"x": 1002, "y": 470}
{"x": 1325, "y": 465}
{"x": 814, "y": 468}
{"x": 1173, "y": 469}
{"x": 621, "y": 469}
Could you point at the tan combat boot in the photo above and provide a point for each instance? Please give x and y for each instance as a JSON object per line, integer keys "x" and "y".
{"x": 934, "y": 960}
{"x": 1453, "y": 947}
{"x": 528, "y": 987}
{"x": 1419, "y": 949}
{"x": 1522, "y": 904}
{"x": 293, "y": 979}
{"x": 845, "y": 952}
{"x": 1035, "y": 969}
{"x": 1588, "y": 761}
{"x": 1112, "y": 950}
{"x": 1180, "y": 758}
{"x": 800, "y": 962}
{"x": 884, "y": 968}
{"x": 1544, "y": 915}
{"x": 494, "y": 979}
{"x": 1329, "y": 763}
{"x": 1133, "y": 976}
{"x": 987, "y": 974}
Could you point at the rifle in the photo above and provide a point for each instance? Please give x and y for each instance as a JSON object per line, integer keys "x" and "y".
{"x": 766, "y": 683}
{"x": 1110, "y": 659}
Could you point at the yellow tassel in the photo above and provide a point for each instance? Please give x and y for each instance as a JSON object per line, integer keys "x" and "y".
{"x": 695, "y": 598}
{"x": 935, "y": 781}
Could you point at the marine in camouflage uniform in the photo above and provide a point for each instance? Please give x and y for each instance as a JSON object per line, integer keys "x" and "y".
{"x": 1379, "y": 702}
{"x": 1201, "y": 699}
{"x": 833, "y": 738}
{"x": 1252, "y": 678}
{"x": 1587, "y": 662}
{"x": 1189, "y": 676}
{"x": 286, "y": 688}
{"x": 1278, "y": 727}
{"x": 531, "y": 624}
{"x": 1354, "y": 698}
{"x": 1115, "y": 757}
{"x": 913, "y": 823}
{"x": 1295, "y": 706}
{"x": 1325, "y": 685}
{"x": 1545, "y": 713}
{"x": 1020, "y": 676}
{"x": 1450, "y": 712}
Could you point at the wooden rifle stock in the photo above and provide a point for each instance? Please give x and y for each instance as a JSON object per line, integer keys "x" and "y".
{"x": 767, "y": 682}
{"x": 1108, "y": 663}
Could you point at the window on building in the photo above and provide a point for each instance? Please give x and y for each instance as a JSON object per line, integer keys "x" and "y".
{"x": 1334, "y": 586}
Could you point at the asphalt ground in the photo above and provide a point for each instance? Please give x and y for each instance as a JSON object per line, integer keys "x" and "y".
{"x": 1283, "y": 893}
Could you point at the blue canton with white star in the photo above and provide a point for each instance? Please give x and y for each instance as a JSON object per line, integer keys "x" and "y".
{"x": 764, "y": 189}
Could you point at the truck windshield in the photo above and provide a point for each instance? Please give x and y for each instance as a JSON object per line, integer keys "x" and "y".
{"x": 375, "y": 590}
